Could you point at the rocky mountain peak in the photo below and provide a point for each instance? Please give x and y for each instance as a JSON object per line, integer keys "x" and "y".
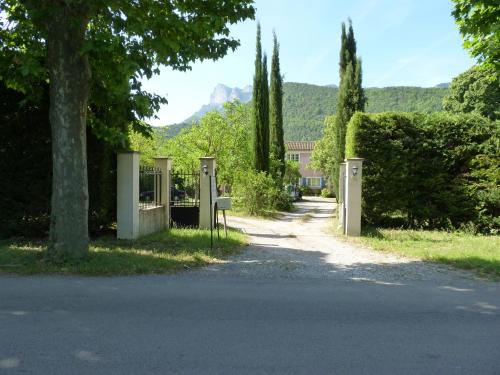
{"x": 223, "y": 94}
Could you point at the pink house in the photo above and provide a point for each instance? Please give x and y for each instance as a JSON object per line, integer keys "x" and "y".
{"x": 301, "y": 153}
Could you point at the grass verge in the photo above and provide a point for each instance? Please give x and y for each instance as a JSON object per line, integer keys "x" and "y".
{"x": 462, "y": 250}
{"x": 161, "y": 252}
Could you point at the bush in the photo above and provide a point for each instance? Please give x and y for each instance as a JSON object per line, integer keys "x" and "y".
{"x": 256, "y": 192}
{"x": 26, "y": 165}
{"x": 305, "y": 190}
{"x": 326, "y": 193}
{"x": 428, "y": 170}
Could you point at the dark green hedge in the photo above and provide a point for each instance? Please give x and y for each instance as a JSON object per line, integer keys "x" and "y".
{"x": 26, "y": 165}
{"x": 428, "y": 170}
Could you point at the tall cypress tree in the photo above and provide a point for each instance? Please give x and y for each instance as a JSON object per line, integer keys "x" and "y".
{"x": 257, "y": 107}
{"x": 351, "y": 97}
{"x": 342, "y": 55}
{"x": 277, "y": 144}
{"x": 264, "y": 111}
{"x": 360, "y": 97}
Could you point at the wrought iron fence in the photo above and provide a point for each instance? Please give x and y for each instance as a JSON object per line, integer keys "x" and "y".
{"x": 149, "y": 187}
{"x": 185, "y": 189}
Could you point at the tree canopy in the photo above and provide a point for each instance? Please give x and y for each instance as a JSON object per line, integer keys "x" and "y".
{"x": 126, "y": 42}
{"x": 479, "y": 24}
{"x": 474, "y": 91}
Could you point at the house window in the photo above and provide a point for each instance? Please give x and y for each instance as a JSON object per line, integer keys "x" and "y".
{"x": 293, "y": 157}
{"x": 313, "y": 182}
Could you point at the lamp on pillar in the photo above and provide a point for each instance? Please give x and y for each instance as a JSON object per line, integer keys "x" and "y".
{"x": 355, "y": 170}
{"x": 205, "y": 169}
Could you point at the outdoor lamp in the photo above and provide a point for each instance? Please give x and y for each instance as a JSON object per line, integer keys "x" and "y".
{"x": 354, "y": 171}
{"x": 205, "y": 170}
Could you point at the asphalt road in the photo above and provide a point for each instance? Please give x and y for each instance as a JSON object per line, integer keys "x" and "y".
{"x": 217, "y": 322}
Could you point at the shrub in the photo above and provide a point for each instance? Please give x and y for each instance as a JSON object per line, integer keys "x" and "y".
{"x": 326, "y": 193}
{"x": 256, "y": 192}
{"x": 427, "y": 170}
{"x": 305, "y": 190}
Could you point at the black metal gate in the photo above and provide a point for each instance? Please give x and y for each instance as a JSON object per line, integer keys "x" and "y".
{"x": 184, "y": 199}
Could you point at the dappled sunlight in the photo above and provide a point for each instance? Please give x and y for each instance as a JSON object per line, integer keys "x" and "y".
{"x": 454, "y": 289}
{"x": 378, "y": 282}
{"x": 165, "y": 251}
{"x": 8, "y": 363}
{"x": 15, "y": 312}
{"x": 87, "y": 356}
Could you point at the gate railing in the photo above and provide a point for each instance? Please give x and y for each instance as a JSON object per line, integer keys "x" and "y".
{"x": 185, "y": 189}
{"x": 150, "y": 179}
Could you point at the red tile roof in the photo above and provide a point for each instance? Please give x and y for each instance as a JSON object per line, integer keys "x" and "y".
{"x": 299, "y": 146}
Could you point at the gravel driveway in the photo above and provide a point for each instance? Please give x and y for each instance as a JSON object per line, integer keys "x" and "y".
{"x": 296, "y": 301}
{"x": 301, "y": 245}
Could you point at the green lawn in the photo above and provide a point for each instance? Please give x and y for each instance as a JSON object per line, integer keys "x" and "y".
{"x": 162, "y": 252}
{"x": 467, "y": 251}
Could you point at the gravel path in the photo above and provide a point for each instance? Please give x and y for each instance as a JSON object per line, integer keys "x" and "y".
{"x": 301, "y": 245}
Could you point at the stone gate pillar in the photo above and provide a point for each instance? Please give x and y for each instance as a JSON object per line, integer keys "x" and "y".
{"x": 352, "y": 198}
{"x": 127, "y": 195}
{"x": 341, "y": 197}
{"x": 164, "y": 164}
{"x": 207, "y": 187}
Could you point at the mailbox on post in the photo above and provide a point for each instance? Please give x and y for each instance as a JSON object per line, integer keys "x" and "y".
{"x": 224, "y": 203}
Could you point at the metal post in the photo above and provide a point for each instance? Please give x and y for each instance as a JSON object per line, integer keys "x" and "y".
{"x": 211, "y": 214}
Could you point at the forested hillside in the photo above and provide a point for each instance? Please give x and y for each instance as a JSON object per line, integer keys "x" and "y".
{"x": 305, "y": 106}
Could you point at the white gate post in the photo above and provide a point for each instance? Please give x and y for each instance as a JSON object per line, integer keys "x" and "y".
{"x": 341, "y": 197}
{"x": 164, "y": 164}
{"x": 207, "y": 182}
{"x": 354, "y": 174}
{"x": 127, "y": 195}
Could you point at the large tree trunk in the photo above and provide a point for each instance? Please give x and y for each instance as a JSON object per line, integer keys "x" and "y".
{"x": 69, "y": 73}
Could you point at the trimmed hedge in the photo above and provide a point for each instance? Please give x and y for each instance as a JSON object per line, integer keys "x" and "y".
{"x": 434, "y": 170}
{"x": 26, "y": 170}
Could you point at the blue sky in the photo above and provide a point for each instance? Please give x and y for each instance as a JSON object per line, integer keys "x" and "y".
{"x": 401, "y": 42}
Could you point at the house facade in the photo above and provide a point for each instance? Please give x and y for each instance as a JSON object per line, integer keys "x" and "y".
{"x": 301, "y": 153}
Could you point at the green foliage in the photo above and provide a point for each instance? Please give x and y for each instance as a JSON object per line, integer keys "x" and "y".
{"x": 256, "y": 192}
{"x": 323, "y": 155}
{"x": 292, "y": 173}
{"x": 125, "y": 42}
{"x": 224, "y": 136}
{"x": 148, "y": 146}
{"x": 277, "y": 144}
{"x": 430, "y": 171}
{"x": 474, "y": 91}
{"x": 264, "y": 111}
{"x": 326, "y": 193}
{"x": 478, "y": 22}
{"x": 26, "y": 165}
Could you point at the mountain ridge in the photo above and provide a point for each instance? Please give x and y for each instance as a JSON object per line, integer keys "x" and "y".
{"x": 305, "y": 106}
